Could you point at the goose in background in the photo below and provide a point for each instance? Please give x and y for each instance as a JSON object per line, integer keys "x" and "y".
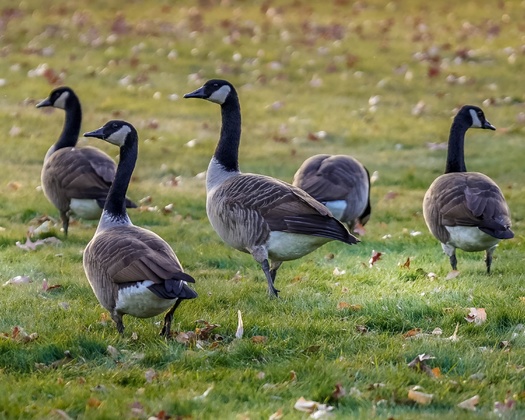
{"x": 130, "y": 269}
{"x": 341, "y": 183}
{"x": 75, "y": 179}
{"x": 466, "y": 210}
{"x": 268, "y": 218}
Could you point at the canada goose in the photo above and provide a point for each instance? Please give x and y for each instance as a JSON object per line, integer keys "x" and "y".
{"x": 75, "y": 179}
{"x": 341, "y": 183}
{"x": 466, "y": 210}
{"x": 268, "y": 218}
{"x": 130, "y": 269}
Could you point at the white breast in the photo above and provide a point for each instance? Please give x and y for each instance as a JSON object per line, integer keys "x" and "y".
{"x": 139, "y": 301}
{"x": 470, "y": 238}
{"x": 283, "y": 246}
{"x": 85, "y": 208}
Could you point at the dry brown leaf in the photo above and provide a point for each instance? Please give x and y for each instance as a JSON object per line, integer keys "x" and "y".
{"x": 93, "y": 402}
{"x": 29, "y": 245}
{"x": 420, "y": 397}
{"x": 278, "y": 415}
{"x": 19, "y": 335}
{"x": 293, "y": 376}
{"x": 376, "y": 256}
{"x": 477, "y": 315}
{"x": 419, "y": 364}
{"x": 46, "y": 287}
{"x": 470, "y": 404}
{"x": 452, "y": 275}
{"x": 343, "y": 305}
{"x": 412, "y": 332}
{"x": 257, "y": 339}
{"x": 338, "y": 393}
{"x": 406, "y": 264}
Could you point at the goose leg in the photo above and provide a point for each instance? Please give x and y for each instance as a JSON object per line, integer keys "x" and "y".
{"x": 451, "y": 252}
{"x": 64, "y": 216}
{"x": 488, "y": 258}
{"x": 118, "y": 320}
{"x": 272, "y": 291}
{"x": 274, "y": 266}
{"x": 166, "y": 328}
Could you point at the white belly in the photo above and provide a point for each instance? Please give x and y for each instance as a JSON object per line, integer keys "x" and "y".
{"x": 469, "y": 238}
{"x": 85, "y": 208}
{"x": 337, "y": 207}
{"x": 284, "y": 246}
{"x": 139, "y": 301}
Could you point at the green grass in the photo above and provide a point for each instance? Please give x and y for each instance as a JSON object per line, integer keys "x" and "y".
{"x": 275, "y": 53}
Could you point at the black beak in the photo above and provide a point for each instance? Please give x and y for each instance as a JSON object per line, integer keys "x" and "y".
{"x": 98, "y": 133}
{"x": 45, "y": 102}
{"x": 199, "y": 93}
{"x": 488, "y": 125}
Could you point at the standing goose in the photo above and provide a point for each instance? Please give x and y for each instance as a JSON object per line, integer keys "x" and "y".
{"x": 341, "y": 183}
{"x": 130, "y": 269}
{"x": 75, "y": 179}
{"x": 270, "y": 219}
{"x": 466, "y": 210}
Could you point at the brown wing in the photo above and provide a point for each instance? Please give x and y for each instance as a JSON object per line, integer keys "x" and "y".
{"x": 471, "y": 199}
{"x": 273, "y": 205}
{"x": 85, "y": 173}
{"x": 134, "y": 254}
{"x": 328, "y": 178}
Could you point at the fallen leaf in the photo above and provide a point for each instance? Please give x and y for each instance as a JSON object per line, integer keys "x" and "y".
{"x": 62, "y": 414}
{"x": 413, "y": 332}
{"x": 113, "y": 352}
{"x": 18, "y": 280}
{"x": 293, "y": 376}
{"x": 343, "y": 305}
{"x": 477, "y": 315}
{"x": 470, "y": 404}
{"x": 308, "y": 406}
{"x": 46, "y": 287}
{"x": 452, "y": 275}
{"x": 278, "y": 415}
{"x": 137, "y": 409}
{"x": 454, "y": 337}
{"x": 150, "y": 375}
{"x": 29, "y": 245}
{"x": 93, "y": 402}
{"x": 204, "y": 394}
{"x": 240, "y": 327}
{"x": 257, "y": 339}
{"x": 376, "y": 256}
{"x": 502, "y": 408}
{"x": 419, "y": 364}
{"x": 338, "y": 393}
{"x": 338, "y": 272}
{"x": 406, "y": 264}
{"x": 420, "y": 397}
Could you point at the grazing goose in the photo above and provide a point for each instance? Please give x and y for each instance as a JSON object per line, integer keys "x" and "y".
{"x": 270, "y": 219}
{"x": 131, "y": 270}
{"x": 341, "y": 183}
{"x": 75, "y": 179}
{"x": 466, "y": 210}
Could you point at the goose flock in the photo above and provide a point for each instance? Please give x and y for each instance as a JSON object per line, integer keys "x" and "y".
{"x": 134, "y": 271}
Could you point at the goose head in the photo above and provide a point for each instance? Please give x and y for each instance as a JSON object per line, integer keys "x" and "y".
{"x": 474, "y": 117}
{"x": 58, "y": 98}
{"x": 214, "y": 90}
{"x": 115, "y": 132}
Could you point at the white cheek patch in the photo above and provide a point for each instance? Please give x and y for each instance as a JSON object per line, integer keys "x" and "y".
{"x": 61, "y": 101}
{"x": 119, "y": 136}
{"x": 220, "y": 95}
{"x": 475, "y": 119}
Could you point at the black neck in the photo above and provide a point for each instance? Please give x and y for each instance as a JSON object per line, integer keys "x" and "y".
{"x": 116, "y": 199}
{"x": 456, "y": 146}
{"x": 227, "y": 151}
{"x": 71, "y": 129}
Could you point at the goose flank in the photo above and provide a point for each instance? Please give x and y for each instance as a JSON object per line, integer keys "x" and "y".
{"x": 268, "y": 218}
{"x": 130, "y": 269}
{"x": 466, "y": 210}
{"x": 75, "y": 180}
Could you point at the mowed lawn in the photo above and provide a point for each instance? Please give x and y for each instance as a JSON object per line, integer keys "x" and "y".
{"x": 377, "y": 80}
